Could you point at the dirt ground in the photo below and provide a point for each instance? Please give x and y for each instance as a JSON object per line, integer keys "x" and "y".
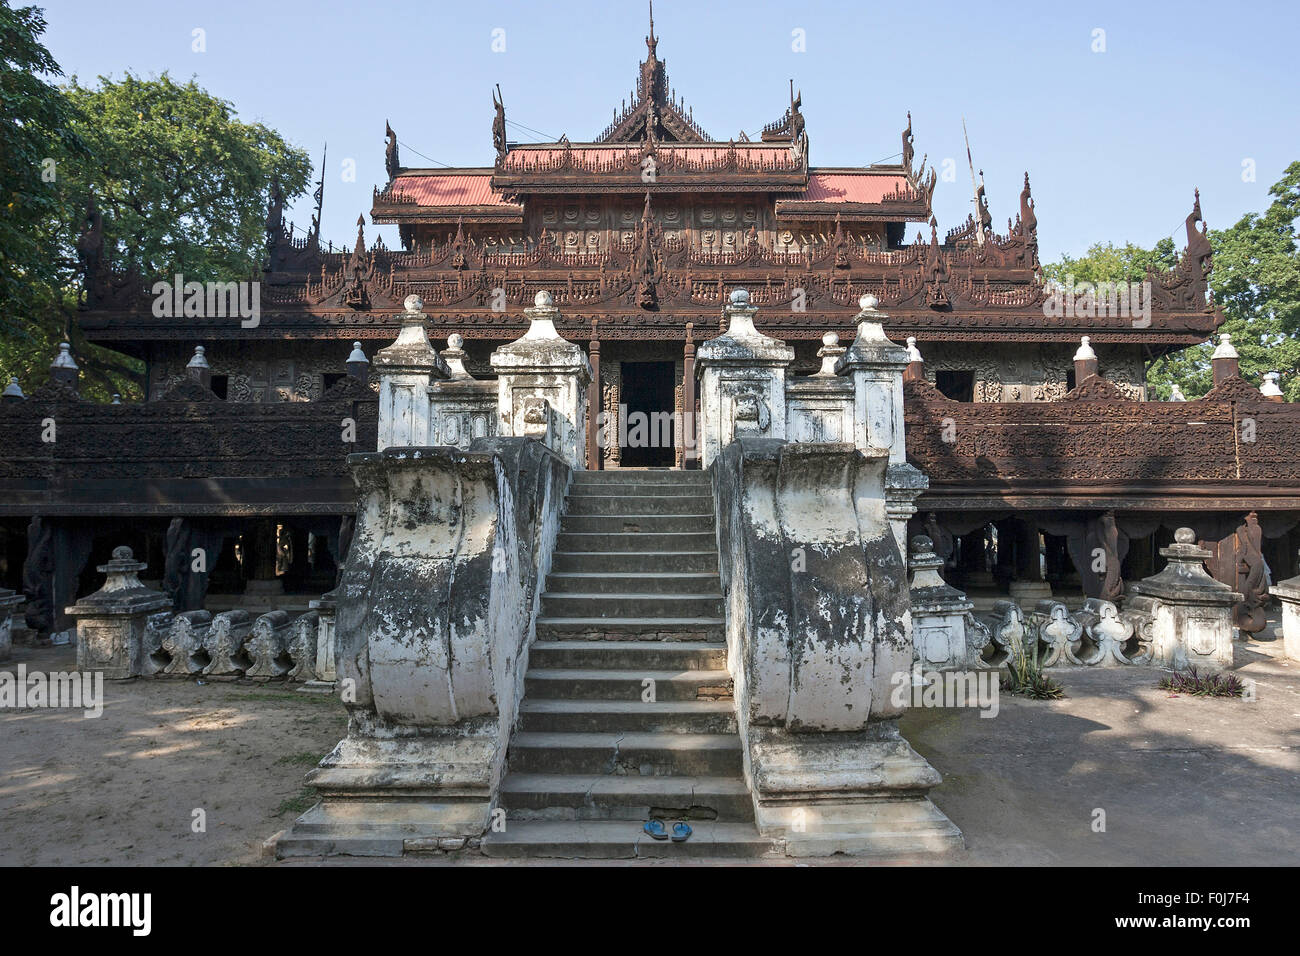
{"x": 1181, "y": 780}
{"x": 122, "y": 788}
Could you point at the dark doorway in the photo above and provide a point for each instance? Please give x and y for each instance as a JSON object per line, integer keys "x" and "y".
{"x": 646, "y": 437}
{"x": 958, "y": 384}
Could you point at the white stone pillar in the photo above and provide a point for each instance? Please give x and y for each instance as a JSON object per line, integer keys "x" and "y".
{"x": 542, "y": 365}
{"x": 939, "y": 613}
{"x": 9, "y": 602}
{"x": 111, "y": 622}
{"x": 1288, "y": 592}
{"x": 742, "y": 381}
{"x": 406, "y": 370}
{"x": 876, "y": 366}
{"x": 1188, "y": 613}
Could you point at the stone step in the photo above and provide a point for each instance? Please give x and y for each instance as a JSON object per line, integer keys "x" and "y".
{"x": 636, "y": 523}
{"x": 617, "y": 503}
{"x": 638, "y": 562}
{"x": 637, "y": 490}
{"x": 624, "y": 476}
{"x": 632, "y": 541}
{"x": 617, "y": 840}
{"x": 599, "y": 797}
{"x": 631, "y": 605}
{"x": 630, "y": 629}
{"x": 626, "y": 754}
{"x": 627, "y": 655}
{"x": 623, "y": 716}
{"x": 640, "y": 582}
{"x": 584, "y": 683}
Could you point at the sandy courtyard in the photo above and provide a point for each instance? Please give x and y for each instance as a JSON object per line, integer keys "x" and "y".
{"x": 1181, "y": 780}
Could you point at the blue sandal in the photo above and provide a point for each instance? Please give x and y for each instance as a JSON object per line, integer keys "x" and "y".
{"x": 681, "y": 832}
{"x": 656, "y": 830}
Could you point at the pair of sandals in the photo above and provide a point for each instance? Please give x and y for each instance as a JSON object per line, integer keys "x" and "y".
{"x": 680, "y": 832}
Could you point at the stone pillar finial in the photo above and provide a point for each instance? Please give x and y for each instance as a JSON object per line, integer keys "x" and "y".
{"x": 739, "y": 315}
{"x": 117, "y": 399}
{"x": 829, "y": 353}
{"x": 406, "y": 370}
{"x": 199, "y": 370}
{"x": 64, "y": 370}
{"x": 454, "y": 356}
{"x": 915, "y": 370}
{"x": 1085, "y": 361}
{"x": 541, "y": 317}
{"x": 742, "y": 381}
{"x": 12, "y": 392}
{"x": 358, "y": 365}
{"x": 541, "y": 364}
{"x": 876, "y": 366}
{"x": 1224, "y": 363}
{"x": 1270, "y": 389}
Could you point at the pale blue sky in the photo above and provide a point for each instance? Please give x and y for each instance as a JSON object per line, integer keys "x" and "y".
{"x": 1114, "y": 141}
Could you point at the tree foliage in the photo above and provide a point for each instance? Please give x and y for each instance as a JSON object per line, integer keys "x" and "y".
{"x": 36, "y": 132}
{"x": 182, "y": 185}
{"x": 1256, "y": 281}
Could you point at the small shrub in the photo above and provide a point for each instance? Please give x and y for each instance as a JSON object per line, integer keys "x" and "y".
{"x": 1196, "y": 684}
{"x": 1025, "y": 675}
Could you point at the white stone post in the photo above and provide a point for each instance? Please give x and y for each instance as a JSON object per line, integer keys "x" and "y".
{"x": 406, "y": 369}
{"x": 111, "y": 622}
{"x": 542, "y": 365}
{"x": 939, "y": 613}
{"x": 742, "y": 381}
{"x": 1189, "y": 613}
{"x": 9, "y": 602}
{"x": 876, "y": 366}
{"x": 326, "y": 606}
{"x": 1288, "y": 592}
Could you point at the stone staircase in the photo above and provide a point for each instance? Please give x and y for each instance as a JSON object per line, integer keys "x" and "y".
{"x": 632, "y": 603}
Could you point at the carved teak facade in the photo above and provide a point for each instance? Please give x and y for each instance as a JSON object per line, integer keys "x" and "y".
{"x": 640, "y": 235}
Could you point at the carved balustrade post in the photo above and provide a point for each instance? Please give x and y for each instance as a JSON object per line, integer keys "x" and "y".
{"x": 540, "y": 368}
{"x": 1186, "y": 614}
{"x": 876, "y": 366}
{"x": 742, "y": 381}
{"x": 406, "y": 370}
{"x": 111, "y": 622}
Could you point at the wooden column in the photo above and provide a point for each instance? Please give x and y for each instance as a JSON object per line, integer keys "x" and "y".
{"x": 690, "y": 433}
{"x": 595, "y": 404}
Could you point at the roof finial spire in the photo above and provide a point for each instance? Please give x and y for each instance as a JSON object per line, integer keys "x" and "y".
{"x": 651, "y": 41}
{"x": 319, "y": 197}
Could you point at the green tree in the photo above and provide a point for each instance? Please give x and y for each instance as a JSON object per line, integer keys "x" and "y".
{"x": 35, "y": 135}
{"x": 1256, "y": 281}
{"x": 1104, "y": 262}
{"x": 181, "y": 183}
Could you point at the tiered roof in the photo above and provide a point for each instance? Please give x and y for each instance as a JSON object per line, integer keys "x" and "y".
{"x": 648, "y": 283}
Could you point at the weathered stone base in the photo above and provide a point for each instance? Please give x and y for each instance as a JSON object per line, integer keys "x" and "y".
{"x": 380, "y": 827}
{"x": 318, "y": 687}
{"x": 854, "y": 793}
{"x": 379, "y": 791}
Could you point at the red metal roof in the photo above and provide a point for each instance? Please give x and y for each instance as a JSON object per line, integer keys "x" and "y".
{"x": 523, "y": 157}
{"x": 474, "y": 189}
{"x": 850, "y": 187}
{"x": 454, "y": 189}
